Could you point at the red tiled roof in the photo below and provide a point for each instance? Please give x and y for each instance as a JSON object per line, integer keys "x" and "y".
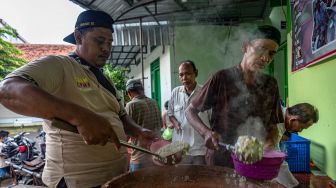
{"x": 35, "y": 51}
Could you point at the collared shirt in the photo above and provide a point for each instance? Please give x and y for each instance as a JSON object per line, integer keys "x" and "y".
{"x": 67, "y": 155}
{"x": 178, "y": 103}
{"x": 146, "y": 113}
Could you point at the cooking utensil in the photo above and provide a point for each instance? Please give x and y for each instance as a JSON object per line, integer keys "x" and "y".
{"x": 68, "y": 127}
{"x": 228, "y": 147}
{"x": 176, "y": 156}
{"x": 129, "y": 145}
{"x": 247, "y": 149}
{"x": 186, "y": 176}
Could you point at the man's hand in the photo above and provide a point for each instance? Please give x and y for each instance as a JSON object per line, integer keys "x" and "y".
{"x": 97, "y": 130}
{"x": 268, "y": 145}
{"x": 147, "y": 137}
{"x": 177, "y": 127}
{"x": 286, "y": 136}
{"x": 211, "y": 139}
{"x": 176, "y": 124}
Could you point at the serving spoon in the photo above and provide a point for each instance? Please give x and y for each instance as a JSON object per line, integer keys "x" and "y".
{"x": 248, "y": 149}
{"x": 166, "y": 160}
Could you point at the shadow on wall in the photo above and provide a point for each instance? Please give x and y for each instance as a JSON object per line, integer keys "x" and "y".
{"x": 318, "y": 155}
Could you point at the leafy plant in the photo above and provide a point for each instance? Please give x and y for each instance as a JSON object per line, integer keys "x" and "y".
{"x": 10, "y": 56}
{"x": 118, "y": 76}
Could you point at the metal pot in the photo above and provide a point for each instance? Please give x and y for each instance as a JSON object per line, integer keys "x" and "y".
{"x": 185, "y": 176}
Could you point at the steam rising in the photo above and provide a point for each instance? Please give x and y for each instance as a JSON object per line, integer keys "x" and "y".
{"x": 245, "y": 103}
{"x": 221, "y": 46}
{"x": 253, "y": 126}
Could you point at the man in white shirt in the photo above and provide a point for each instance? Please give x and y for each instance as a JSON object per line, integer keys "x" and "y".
{"x": 180, "y": 99}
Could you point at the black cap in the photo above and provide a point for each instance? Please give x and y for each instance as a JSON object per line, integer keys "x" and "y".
{"x": 266, "y": 32}
{"x": 91, "y": 18}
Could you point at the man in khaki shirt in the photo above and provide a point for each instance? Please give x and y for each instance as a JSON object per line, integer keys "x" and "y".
{"x": 73, "y": 89}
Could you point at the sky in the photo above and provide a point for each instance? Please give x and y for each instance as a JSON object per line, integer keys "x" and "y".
{"x": 41, "y": 21}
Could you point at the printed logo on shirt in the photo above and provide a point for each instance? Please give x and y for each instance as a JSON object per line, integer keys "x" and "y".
{"x": 83, "y": 82}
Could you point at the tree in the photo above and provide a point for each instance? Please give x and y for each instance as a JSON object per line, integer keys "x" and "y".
{"x": 118, "y": 76}
{"x": 10, "y": 56}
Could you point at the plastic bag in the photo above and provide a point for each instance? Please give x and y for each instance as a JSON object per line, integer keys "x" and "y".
{"x": 285, "y": 177}
{"x": 167, "y": 133}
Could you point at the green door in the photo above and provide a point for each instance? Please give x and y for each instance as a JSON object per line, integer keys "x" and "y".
{"x": 155, "y": 81}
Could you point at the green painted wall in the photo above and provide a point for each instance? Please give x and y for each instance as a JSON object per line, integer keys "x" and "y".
{"x": 205, "y": 45}
{"x": 315, "y": 85}
{"x": 211, "y": 47}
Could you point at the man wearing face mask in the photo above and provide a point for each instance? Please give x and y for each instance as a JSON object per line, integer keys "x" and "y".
{"x": 73, "y": 89}
{"x": 240, "y": 95}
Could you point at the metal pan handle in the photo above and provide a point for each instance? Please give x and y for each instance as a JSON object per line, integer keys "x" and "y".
{"x": 58, "y": 123}
{"x": 227, "y": 146}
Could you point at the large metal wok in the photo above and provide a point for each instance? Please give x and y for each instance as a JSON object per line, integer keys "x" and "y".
{"x": 186, "y": 176}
